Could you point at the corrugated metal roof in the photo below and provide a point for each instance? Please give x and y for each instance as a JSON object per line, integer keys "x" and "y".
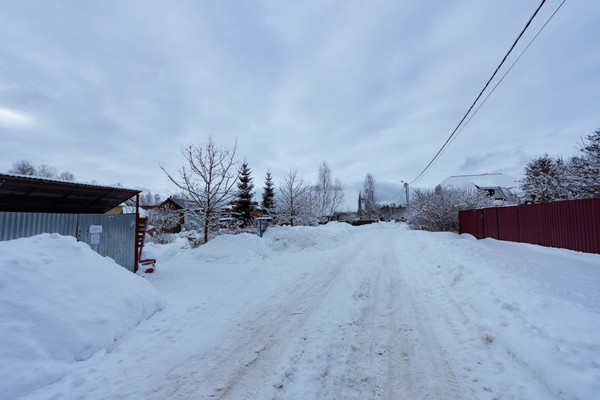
{"x": 34, "y": 194}
{"x": 482, "y": 181}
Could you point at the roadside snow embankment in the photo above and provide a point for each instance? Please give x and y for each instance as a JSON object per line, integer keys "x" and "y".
{"x": 61, "y": 303}
{"x": 535, "y": 307}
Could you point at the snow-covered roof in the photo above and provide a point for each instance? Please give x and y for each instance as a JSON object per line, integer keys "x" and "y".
{"x": 179, "y": 201}
{"x": 492, "y": 180}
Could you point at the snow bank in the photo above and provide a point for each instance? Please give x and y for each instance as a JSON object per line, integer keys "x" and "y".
{"x": 61, "y": 302}
{"x": 538, "y": 305}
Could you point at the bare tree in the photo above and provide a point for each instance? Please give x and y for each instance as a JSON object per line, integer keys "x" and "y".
{"x": 66, "y": 176}
{"x": 369, "y": 204}
{"x": 293, "y": 200}
{"x": 149, "y": 199}
{"x": 163, "y": 218}
{"x": 46, "y": 171}
{"x": 329, "y": 193}
{"x": 437, "y": 210}
{"x": 24, "y": 167}
{"x": 207, "y": 178}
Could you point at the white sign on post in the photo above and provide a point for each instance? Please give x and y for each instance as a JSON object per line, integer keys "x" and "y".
{"x": 95, "y": 231}
{"x": 95, "y": 228}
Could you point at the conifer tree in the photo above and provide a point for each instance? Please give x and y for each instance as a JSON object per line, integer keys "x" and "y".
{"x": 268, "y": 196}
{"x": 243, "y": 204}
{"x": 545, "y": 180}
{"x": 586, "y": 168}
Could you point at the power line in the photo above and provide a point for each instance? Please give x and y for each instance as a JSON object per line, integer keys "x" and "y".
{"x": 508, "y": 70}
{"x": 480, "y": 94}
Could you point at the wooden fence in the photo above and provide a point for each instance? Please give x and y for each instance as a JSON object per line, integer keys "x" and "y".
{"x": 573, "y": 224}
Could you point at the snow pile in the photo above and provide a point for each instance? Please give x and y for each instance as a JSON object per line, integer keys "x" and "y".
{"x": 539, "y": 306}
{"x": 61, "y": 303}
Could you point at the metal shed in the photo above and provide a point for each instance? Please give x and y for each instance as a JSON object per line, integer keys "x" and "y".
{"x": 33, "y": 205}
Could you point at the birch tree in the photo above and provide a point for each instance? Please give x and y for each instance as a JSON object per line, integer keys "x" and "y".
{"x": 328, "y": 193}
{"x": 206, "y": 178}
{"x": 369, "y": 204}
{"x": 293, "y": 200}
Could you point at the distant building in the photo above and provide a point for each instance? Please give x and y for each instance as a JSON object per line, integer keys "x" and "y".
{"x": 187, "y": 213}
{"x": 498, "y": 186}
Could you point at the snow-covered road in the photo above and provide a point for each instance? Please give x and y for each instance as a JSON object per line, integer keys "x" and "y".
{"x": 352, "y": 328}
{"x": 340, "y": 312}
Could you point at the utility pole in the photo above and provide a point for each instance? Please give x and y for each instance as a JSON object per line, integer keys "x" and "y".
{"x": 406, "y": 190}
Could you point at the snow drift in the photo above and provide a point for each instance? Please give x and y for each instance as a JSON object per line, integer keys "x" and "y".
{"x": 61, "y": 303}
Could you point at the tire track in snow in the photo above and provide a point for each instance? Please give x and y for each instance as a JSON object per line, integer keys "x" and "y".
{"x": 407, "y": 360}
{"x": 379, "y": 344}
{"x": 243, "y": 364}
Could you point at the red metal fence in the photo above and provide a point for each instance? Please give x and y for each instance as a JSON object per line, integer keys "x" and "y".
{"x": 573, "y": 224}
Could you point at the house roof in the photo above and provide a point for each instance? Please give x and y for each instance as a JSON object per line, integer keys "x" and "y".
{"x": 178, "y": 203}
{"x": 34, "y": 194}
{"x": 495, "y": 180}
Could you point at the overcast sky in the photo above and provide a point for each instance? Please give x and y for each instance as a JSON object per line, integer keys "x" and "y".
{"x": 110, "y": 90}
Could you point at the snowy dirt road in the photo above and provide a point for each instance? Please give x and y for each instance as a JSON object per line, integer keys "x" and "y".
{"x": 355, "y": 327}
{"x": 338, "y": 312}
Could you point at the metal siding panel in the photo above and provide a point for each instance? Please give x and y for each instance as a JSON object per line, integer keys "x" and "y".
{"x": 590, "y": 220}
{"x": 479, "y": 224}
{"x": 490, "y": 223}
{"x": 571, "y": 224}
{"x": 573, "y": 235}
{"x": 595, "y": 222}
{"x": 508, "y": 224}
{"x": 117, "y": 239}
{"x": 543, "y": 226}
{"x": 467, "y": 222}
{"x": 527, "y": 224}
{"x": 14, "y": 225}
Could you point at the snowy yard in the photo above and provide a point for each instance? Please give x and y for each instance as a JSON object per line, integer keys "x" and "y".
{"x": 333, "y": 312}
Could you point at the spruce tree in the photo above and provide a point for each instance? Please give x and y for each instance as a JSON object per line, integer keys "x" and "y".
{"x": 545, "y": 180}
{"x": 586, "y": 168}
{"x": 268, "y": 196}
{"x": 243, "y": 204}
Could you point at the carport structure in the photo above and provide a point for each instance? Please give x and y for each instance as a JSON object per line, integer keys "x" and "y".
{"x": 32, "y": 205}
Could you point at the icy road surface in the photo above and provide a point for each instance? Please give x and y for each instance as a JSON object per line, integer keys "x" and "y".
{"x": 376, "y": 312}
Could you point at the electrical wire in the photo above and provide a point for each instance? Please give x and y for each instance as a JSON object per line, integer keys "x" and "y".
{"x": 480, "y": 94}
{"x": 507, "y": 71}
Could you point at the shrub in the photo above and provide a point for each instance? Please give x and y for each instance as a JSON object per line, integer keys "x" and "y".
{"x": 437, "y": 210}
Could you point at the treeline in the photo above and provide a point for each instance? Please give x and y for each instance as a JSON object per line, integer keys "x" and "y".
{"x": 24, "y": 167}
{"x": 551, "y": 179}
{"x": 211, "y": 178}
